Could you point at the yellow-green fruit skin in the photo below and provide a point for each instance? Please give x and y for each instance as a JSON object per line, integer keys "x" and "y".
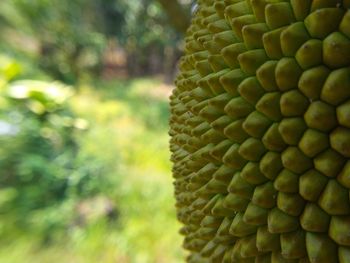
{"x": 260, "y": 132}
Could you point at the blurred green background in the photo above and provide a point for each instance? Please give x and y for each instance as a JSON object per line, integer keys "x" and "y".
{"x": 84, "y": 161}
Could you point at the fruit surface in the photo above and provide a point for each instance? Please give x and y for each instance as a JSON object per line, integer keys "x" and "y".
{"x": 260, "y": 132}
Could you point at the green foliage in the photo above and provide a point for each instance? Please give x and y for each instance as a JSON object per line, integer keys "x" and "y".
{"x": 39, "y": 168}
{"x": 84, "y": 170}
{"x": 73, "y": 192}
{"x": 131, "y": 119}
{"x": 67, "y": 39}
{"x": 147, "y": 36}
{"x": 66, "y": 33}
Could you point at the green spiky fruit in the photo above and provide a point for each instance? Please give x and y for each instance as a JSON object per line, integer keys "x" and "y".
{"x": 260, "y": 132}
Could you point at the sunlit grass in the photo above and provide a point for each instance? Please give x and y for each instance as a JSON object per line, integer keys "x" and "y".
{"x": 128, "y": 133}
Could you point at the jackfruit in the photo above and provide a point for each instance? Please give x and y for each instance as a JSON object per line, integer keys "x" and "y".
{"x": 260, "y": 132}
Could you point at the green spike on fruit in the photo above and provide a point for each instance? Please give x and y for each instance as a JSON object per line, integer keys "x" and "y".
{"x": 315, "y": 219}
{"x": 287, "y": 182}
{"x": 267, "y": 241}
{"x": 310, "y": 54}
{"x": 313, "y": 142}
{"x": 311, "y": 185}
{"x": 278, "y": 14}
{"x": 272, "y": 43}
{"x": 293, "y": 37}
{"x": 336, "y": 50}
{"x": 252, "y": 35}
{"x": 287, "y": 74}
{"x": 266, "y": 75}
{"x": 311, "y": 81}
{"x": 301, "y": 8}
{"x": 323, "y": 22}
{"x": 239, "y": 22}
{"x": 251, "y": 90}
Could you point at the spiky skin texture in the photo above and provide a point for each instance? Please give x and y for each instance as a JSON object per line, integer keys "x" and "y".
{"x": 260, "y": 132}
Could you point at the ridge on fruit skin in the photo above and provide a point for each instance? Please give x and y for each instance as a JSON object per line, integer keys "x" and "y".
{"x": 260, "y": 132}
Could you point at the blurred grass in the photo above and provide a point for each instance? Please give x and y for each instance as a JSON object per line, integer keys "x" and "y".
{"x": 128, "y": 133}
